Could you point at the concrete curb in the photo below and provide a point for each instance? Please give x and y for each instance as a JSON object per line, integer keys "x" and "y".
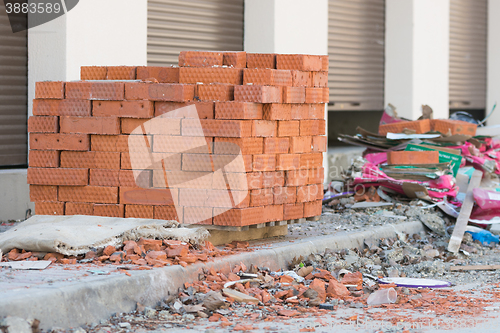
{"x": 82, "y": 303}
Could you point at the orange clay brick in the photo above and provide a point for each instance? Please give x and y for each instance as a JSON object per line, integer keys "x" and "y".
{"x": 301, "y": 79}
{"x": 215, "y": 92}
{"x": 110, "y": 210}
{"x": 124, "y": 109}
{"x": 50, "y": 89}
{"x": 43, "y": 193}
{"x": 288, "y": 128}
{"x": 238, "y": 110}
{"x": 49, "y": 208}
{"x": 91, "y": 194}
{"x": 313, "y": 208}
{"x": 213, "y": 198}
{"x": 95, "y": 90}
{"x": 319, "y": 79}
{"x": 233, "y": 146}
{"x": 113, "y": 143}
{"x": 285, "y": 195}
{"x": 317, "y": 95}
{"x": 273, "y": 213}
{"x": 210, "y": 75}
{"x": 294, "y": 95}
{"x": 312, "y": 127}
{"x": 287, "y": 161}
{"x": 90, "y": 125}
{"x": 44, "y": 158}
{"x": 234, "y": 59}
{"x": 128, "y": 125}
{"x": 90, "y": 160}
{"x": 121, "y": 73}
{"x": 454, "y": 126}
{"x": 73, "y": 208}
{"x": 53, "y": 176}
{"x": 198, "y": 215}
{"x": 200, "y": 59}
{"x": 273, "y": 179}
{"x": 276, "y": 111}
{"x": 309, "y": 193}
{"x": 261, "y": 197}
{"x": 258, "y": 94}
{"x": 93, "y": 73}
{"x": 419, "y": 126}
{"x": 64, "y": 107}
{"x": 254, "y": 180}
{"x": 276, "y": 145}
{"x": 300, "y": 111}
{"x": 264, "y": 128}
{"x": 173, "y": 162}
{"x": 296, "y": 178}
{"x": 324, "y": 63}
{"x": 172, "y": 92}
{"x": 238, "y": 217}
{"x": 139, "y": 196}
{"x": 217, "y": 128}
{"x": 139, "y": 211}
{"x": 301, "y": 62}
{"x": 104, "y": 177}
{"x": 167, "y": 213}
{"x": 300, "y": 144}
{"x": 412, "y": 157}
{"x": 316, "y": 176}
{"x": 310, "y": 161}
{"x": 316, "y": 111}
{"x": 127, "y": 178}
{"x": 267, "y": 77}
{"x": 197, "y": 162}
{"x": 205, "y": 109}
{"x": 293, "y": 211}
{"x": 43, "y": 124}
{"x": 180, "y": 144}
{"x": 161, "y": 74}
{"x": 319, "y": 144}
{"x": 264, "y": 162}
{"x": 261, "y": 60}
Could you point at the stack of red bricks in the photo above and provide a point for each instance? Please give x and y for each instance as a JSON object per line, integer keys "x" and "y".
{"x": 270, "y": 105}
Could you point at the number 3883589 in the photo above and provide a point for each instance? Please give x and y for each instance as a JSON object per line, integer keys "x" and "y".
{"x": 33, "y": 8}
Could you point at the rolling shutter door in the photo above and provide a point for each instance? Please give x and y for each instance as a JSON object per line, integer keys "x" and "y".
{"x": 13, "y": 93}
{"x": 179, "y": 25}
{"x": 356, "y": 38}
{"x": 468, "y": 49}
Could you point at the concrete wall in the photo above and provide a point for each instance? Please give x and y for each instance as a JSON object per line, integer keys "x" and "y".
{"x": 493, "y": 77}
{"x": 14, "y": 195}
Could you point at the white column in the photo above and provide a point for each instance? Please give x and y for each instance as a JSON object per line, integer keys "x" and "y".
{"x": 417, "y": 56}
{"x": 287, "y": 26}
{"x": 493, "y": 76}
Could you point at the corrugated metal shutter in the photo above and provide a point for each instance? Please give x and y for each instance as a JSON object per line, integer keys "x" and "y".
{"x": 356, "y": 38}
{"x": 468, "y": 49}
{"x": 13, "y": 93}
{"x": 179, "y": 25}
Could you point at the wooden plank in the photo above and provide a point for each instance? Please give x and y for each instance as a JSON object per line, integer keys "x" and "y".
{"x": 314, "y": 218}
{"x": 465, "y": 211}
{"x": 474, "y": 268}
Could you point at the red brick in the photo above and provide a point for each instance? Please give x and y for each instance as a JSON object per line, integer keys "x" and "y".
{"x": 116, "y": 143}
{"x": 313, "y": 208}
{"x": 65, "y": 107}
{"x": 316, "y": 111}
{"x": 121, "y": 73}
{"x": 238, "y": 217}
{"x": 90, "y": 160}
{"x": 213, "y": 198}
{"x": 139, "y": 196}
{"x": 285, "y": 195}
{"x": 419, "y": 126}
{"x": 210, "y": 75}
{"x": 90, "y": 125}
{"x": 273, "y": 179}
{"x": 128, "y": 125}
{"x": 316, "y": 176}
{"x": 294, "y": 95}
{"x": 44, "y": 158}
{"x": 127, "y": 178}
{"x": 267, "y": 77}
{"x": 197, "y": 162}
{"x": 161, "y": 74}
{"x": 91, "y": 194}
{"x": 49, "y": 208}
{"x": 173, "y": 162}
{"x": 167, "y": 213}
{"x": 205, "y": 109}
{"x": 139, "y": 211}
{"x": 52, "y": 176}
{"x": 273, "y": 213}
{"x": 261, "y": 60}
{"x": 300, "y": 111}
{"x": 238, "y": 110}
{"x": 317, "y": 95}
{"x": 93, "y": 73}
{"x": 309, "y": 161}
{"x": 198, "y": 215}
{"x": 319, "y": 79}
{"x": 301, "y": 144}
{"x": 287, "y": 161}
{"x": 111, "y": 210}
{"x": 43, "y": 193}
{"x": 309, "y": 193}
{"x": 93, "y": 90}
{"x": 217, "y": 128}
{"x": 412, "y": 157}
{"x": 258, "y": 94}
{"x": 180, "y": 144}
{"x": 261, "y": 197}
{"x": 301, "y": 79}
{"x": 453, "y": 126}
{"x": 43, "y": 124}
{"x": 293, "y": 211}
{"x": 215, "y": 92}
{"x": 288, "y": 128}
{"x": 301, "y": 62}
{"x": 325, "y": 63}
{"x": 296, "y": 178}
{"x": 264, "y": 128}
{"x": 319, "y": 143}
{"x": 172, "y": 92}
{"x": 73, "y": 208}
{"x": 250, "y": 146}
{"x": 312, "y": 127}
{"x": 264, "y": 162}
{"x": 234, "y": 59}
{"x": 277, "y": 111}
{"x": 200, "y": 59}
{"x": 128, "y": 109}
{"x": 49, "y": 89}
{"x": 104, "y": 177}
{"x": 276, "y": 145}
